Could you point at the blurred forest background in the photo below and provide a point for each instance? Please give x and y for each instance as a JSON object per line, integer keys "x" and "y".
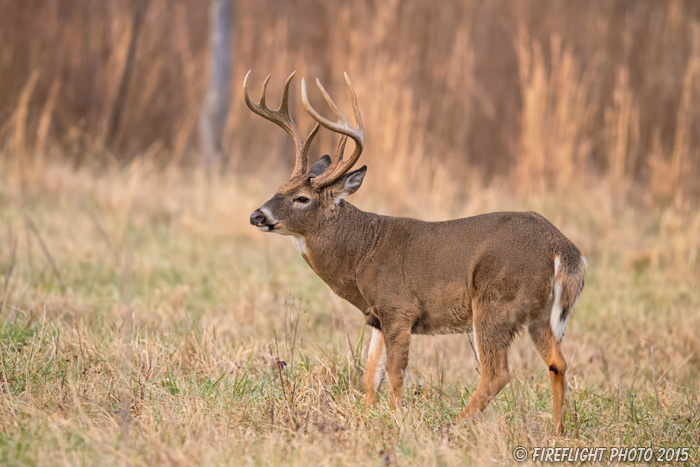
{"x": 540, "y": 92}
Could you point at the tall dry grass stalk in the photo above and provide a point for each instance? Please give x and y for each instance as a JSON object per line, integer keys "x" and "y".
{"x": 42, "y": 131}
{"x": 622, "y": 131}
{"x": 18, "y": 140}
{"x": 557, "y": 112}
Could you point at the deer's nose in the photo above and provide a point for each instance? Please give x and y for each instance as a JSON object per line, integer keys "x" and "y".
{"x": 257, "y": 218}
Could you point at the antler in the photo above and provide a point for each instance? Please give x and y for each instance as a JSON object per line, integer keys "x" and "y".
{"x": 339, "y": 166}
{"x": 282, "y": 118}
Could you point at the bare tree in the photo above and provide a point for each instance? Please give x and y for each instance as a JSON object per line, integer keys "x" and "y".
{"x": 215, "y": 110}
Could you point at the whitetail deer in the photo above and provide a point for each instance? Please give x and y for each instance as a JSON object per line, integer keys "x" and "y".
{"x": 492, "y": 274}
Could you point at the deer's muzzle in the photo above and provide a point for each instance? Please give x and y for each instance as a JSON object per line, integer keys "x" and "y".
{"x": 257, "y": 219}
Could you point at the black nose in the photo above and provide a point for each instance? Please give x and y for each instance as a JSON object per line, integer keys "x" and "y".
{"x": 257, "y": 218}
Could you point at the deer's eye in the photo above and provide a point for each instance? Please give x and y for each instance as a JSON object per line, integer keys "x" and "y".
{"x": 302, "y": 200}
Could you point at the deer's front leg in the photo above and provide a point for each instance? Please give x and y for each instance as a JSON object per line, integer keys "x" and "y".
{"x": 376, "y": 367}
{"x": 397, "y": 341}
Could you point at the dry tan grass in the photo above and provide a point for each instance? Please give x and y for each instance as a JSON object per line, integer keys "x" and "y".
{"x": 163, "y": 347}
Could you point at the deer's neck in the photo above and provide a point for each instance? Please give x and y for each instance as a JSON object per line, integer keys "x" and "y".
{"x": 337, "y": 249}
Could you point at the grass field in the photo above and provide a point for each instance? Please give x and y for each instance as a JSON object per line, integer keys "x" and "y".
{"x": 144, "y": 322}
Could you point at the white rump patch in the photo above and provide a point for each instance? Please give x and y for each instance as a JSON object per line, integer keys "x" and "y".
{"x": 558, "y": 325}
{"x": 375, "y": 343}
{"x": 300, "y": 245}
{"x": 585, "y": 263}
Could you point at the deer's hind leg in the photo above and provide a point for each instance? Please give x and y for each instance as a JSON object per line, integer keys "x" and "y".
{"x": 492, "y": 341}
{"x": 376, "y": 367}
{"x": 550, "y": 350}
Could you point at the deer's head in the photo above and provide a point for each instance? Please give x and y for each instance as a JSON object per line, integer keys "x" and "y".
{"x": 304, "y": 202}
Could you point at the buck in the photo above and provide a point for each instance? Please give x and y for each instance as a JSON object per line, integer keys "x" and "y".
{"x": 493, "y": 274}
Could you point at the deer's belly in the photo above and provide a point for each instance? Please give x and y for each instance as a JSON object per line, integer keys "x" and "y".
{"x": 455, "y": 318}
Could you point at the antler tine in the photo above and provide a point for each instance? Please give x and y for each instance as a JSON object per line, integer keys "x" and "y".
{"x": 355, "y": 104}
{"x": 284, "y": 106}
{"x": 339, "y": 166}
{"x": 341, "y": 147}
{"x": 330, "y": 102}
{"x": 282, "y": 118}
{"x": 263, "y": 92}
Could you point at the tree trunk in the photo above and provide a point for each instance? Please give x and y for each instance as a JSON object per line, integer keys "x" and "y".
{"x": 215, "y": 109}
{"x": 138, "y": 13}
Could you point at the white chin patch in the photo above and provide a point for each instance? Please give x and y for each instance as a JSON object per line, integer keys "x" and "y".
{"x": 264, "y": 228}
{"x": 299, "y": 244}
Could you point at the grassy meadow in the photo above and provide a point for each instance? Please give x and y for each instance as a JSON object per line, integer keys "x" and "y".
{"x": 144, "y": 322}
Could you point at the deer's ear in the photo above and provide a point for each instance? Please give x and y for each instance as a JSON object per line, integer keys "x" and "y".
{"x": 348, "y": 183}
{"x": 320, "y": 166}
